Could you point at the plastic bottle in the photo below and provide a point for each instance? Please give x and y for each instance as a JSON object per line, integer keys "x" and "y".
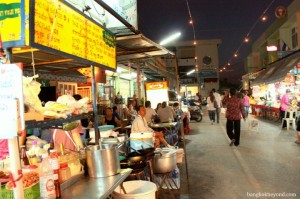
{"x": 47, "y": 188}
{"x": 176, "y": 177}
{"x": 53, "y": 158}
{"x": 32, "y": 153}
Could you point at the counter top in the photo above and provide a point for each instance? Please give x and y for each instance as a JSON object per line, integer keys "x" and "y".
{"x": 95, "y": 188}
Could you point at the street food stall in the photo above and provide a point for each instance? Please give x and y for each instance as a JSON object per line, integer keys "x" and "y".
{"x": 271, "y": 83}
{"x": 52, "y": 39}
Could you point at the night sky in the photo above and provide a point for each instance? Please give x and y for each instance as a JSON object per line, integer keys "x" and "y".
{"x": 229, "y": 20}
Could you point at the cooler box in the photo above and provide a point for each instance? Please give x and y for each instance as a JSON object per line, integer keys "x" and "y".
{"x": 141, "y": 141}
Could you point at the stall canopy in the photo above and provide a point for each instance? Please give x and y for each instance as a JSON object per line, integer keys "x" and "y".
{"x": 277, "y": 71}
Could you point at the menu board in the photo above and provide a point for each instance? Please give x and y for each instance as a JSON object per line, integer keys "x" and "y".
{"x": 60, "y": 28}
{"x": 11, "y": 96}
{"x": 11, "y": 23}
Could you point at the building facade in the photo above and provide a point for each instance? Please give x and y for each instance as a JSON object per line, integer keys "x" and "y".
{"x": 197, "y": 66}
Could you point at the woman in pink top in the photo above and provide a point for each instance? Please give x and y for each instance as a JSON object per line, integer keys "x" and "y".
{"x": 284, "y": 105}
{"x": 246, "y": 104}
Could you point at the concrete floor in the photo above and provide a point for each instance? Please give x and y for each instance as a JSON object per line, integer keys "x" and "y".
{"x": 267, "y": 161}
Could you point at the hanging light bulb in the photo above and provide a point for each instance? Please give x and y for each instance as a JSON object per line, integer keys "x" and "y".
{"x": 221, "y": 70}
{"x": 224, "y": 68}
{"x": 196, "y": 58}
{"x": 246, "y": 39}
{"x": 191, "y": 21}
{"x": 228, "y": 63}
{"x": 195, "y": 42}
{"x": 235, "y": 55}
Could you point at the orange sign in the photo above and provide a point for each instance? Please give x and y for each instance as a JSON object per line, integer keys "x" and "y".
{"x": 156, "y": 85}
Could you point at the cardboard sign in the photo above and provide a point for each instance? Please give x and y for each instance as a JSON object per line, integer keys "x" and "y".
{"x": 11, "y": 101}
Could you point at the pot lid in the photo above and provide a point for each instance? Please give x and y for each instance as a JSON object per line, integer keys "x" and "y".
{"x": 165, "y": 152}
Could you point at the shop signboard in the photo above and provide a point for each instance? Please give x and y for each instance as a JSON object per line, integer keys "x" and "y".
{"x": 157, "y": 92}
{"x": 208, "y": 73}
{"x": 58, "y": 27}
{"x": 11, "y": 100}
{"x": 12, "y": 25}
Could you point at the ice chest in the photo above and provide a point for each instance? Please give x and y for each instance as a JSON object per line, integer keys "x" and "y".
{"x": 141, "y": 141}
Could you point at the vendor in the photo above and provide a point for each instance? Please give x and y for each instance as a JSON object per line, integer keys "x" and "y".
{"x": 140, "y": 125}
{"x": 110, "y": 119}
{"x": 284, "y": 105}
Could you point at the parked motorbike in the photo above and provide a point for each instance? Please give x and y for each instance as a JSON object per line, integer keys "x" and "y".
{"x": 195, "y": 110}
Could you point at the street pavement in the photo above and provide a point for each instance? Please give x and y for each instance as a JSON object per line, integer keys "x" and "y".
{"x": 266, "y": 162}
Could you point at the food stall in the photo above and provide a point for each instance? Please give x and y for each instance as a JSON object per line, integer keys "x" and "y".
{"x": 271, "y": 83}
{"x": 34, "y": 33}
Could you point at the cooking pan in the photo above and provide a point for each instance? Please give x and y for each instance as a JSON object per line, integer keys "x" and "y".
{"x": 135, "y": 163}
{"x": 147, "y": 153}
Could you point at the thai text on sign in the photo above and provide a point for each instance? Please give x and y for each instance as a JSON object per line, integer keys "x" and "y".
{"x": 62, "y": 28}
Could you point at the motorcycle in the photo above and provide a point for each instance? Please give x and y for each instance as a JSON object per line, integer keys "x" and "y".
{"x": 196, "y": 113}
{"x": 195, "y": 110}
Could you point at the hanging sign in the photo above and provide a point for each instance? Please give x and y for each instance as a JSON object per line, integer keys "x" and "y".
{"x": 280, "y": 12}
{"x": 11, "y": 100}
{"x": 61, "y": 29}
{"x": 12, "y": 23}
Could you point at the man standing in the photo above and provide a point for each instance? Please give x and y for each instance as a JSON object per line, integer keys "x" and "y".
{"x": 218, "y": 99}
{"x": 139, "y": 125}
{"x": 235, "y": 109}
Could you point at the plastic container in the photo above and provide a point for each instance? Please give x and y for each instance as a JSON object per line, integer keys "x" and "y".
{"x": 47, "y": 187}
{"x": 141, "y": 141}
{"x": 64, "y": 172}
{"x": 136, "y": 189}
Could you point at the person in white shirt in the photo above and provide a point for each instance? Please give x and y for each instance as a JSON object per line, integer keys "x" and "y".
{"x": 139, "y": 125}
{"x": 218, "y": 99}
{"x": 166, "y": 113}
{"x": 150, "y": 112}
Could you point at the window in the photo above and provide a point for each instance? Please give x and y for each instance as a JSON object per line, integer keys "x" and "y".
{"x": 294, "y": 38}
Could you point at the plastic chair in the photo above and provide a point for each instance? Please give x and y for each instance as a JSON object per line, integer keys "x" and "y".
{"x": 290, "y": 118}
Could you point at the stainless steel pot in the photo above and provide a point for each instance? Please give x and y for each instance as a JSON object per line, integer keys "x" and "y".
{"x": 102, "y": 161}
{"x": 164, "y": 161}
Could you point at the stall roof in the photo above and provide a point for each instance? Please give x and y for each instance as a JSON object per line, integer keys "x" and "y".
{"x": 276, "y": 71}
{"x": 138, "y": 47}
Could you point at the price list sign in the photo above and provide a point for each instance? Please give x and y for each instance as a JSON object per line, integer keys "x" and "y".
{"x": 11, "y": 95}
{"x": 61, "y": 29}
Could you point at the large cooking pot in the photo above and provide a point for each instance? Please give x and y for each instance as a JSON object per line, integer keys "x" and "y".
{"x": 164, "y": 160}
{"x": 102, "y": 161}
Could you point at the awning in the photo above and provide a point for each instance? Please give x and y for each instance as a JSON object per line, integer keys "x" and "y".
{"x": 277, "y": 71}
{"x": 138, "y": 47}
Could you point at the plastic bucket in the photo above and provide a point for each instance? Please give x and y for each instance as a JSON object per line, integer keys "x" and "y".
{"x": 136, "y": 189}
{"x": 141, "y": 141}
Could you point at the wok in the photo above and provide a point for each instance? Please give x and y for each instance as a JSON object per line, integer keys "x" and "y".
{"x": 135, "y": 163}
{"x": 147, "y": 153}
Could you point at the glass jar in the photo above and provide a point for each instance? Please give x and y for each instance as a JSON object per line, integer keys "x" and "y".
{"x": 64, "y": 172}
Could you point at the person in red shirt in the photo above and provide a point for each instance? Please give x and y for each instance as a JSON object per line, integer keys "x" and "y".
{"x": 235, "y": 110}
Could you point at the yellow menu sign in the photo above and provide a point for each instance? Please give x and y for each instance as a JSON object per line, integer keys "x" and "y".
{"x": 10, "y": 22}
{"x": 60, "y": 28}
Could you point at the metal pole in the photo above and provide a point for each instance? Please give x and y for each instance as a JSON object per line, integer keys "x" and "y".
{"x": 97, "y": 132}
{"x": 138, "y": 81}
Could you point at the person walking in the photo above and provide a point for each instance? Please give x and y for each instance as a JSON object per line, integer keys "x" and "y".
{"x": 211, "y": 107}
{"x": 235, "y": 109}
{"x": 246, "y": 104}
{"x": 218, "y": 100}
